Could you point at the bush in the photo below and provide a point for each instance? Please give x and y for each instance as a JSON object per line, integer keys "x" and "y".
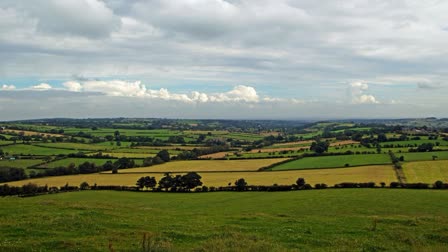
{"x": 439, "y": 185}
{"x": 84, "y": 186}
{"x": 394, "y": 185}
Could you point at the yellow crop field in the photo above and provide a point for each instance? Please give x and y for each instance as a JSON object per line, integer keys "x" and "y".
{"x": 377, "y": 174}
{"x": 29, "y": 133}
{"x": 426, "y": 171}
{"x": 208, "y": 165}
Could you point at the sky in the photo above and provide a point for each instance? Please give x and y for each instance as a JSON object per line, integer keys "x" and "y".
{"x": 223, "y": 59}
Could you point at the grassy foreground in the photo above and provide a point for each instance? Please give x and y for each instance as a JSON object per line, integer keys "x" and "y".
{"x": 344, "y": 220}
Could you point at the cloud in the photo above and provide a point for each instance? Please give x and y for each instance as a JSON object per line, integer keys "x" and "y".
{"x": 42, "y": 86}
{"x": 86, "y": 18}
{"x": 8, "y": 87}
{"x": 427, "y": 86}
{"x": 73, "y": 86}
{"x": 356, "y": 92}
{"x": 239, "y": 93}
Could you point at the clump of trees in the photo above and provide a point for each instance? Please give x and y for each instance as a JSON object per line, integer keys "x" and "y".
{"x": 320, "y": 146}
{"x": 12, "y": 174}
{"x": 177, "y": 183}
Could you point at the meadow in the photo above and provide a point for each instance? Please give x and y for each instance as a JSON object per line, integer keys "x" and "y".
{"x": 318, "y": 220}
{"x": 77, "y": 161}
{"x": 424, "y": 156}
{"x": 74, "y": 146}
{"x": 20, "y": 163}
{"x": 27, "y": 149}
{"x": 334, "y": 162}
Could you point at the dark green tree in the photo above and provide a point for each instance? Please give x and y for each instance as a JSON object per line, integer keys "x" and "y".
{"x": 149, "y": 182}
{"x": 191, "y": 180}
{"x": 241, "y": 184}
{"x": 164, "y": 155}
{"x": 300, "y": 183}
{"x": 320, "y": 146}
{"x": 140, "y": 183}
{"x": 166, "y": 181}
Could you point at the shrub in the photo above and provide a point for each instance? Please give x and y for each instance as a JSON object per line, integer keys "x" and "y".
{"x": 84, "y": 186}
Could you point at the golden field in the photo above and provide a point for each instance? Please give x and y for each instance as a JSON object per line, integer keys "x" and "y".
{"x": 426, "y": 171}
{"x": 377, "y": 174}
{"x": 208, "y": 165}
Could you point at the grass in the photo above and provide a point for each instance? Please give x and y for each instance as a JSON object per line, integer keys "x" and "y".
{"x": 318, "y": 220}
{"x": 209, "y": 165}
{"x": 426, "y": 171}
{"x": 377, "y": 174}
{"x": 423, "y": 156}
{"x": 26, "y": 149}
{"x": 77, "y": 161}
{"x": 334, "y": 161}
{"x": 126, "y": 154}
{"x": 73, "y": 146}
{"x": 20, "y": 163}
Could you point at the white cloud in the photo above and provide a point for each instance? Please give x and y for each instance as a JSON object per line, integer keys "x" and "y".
{"x": 42, "y": 86}
{"x": 73, "y": 86}
{"x": 356, "y": 92}
{"x": 8, "y": 87}
{"x": 239, "y": 93}
{"x": 115, "y": 87}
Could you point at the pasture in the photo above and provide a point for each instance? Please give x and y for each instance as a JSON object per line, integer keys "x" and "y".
{"x": 77, "y": 161}
{"x": 334, "y": 161}
{"x": 424, "y": 156}
{"x": 73, "y": 146}
{"x": 27, "y": 149}
{"x": 126, "y": 154}
{"x": 20, "y": 163}
{"x": 426, "y": 171}
{"x": 377, "y": 219}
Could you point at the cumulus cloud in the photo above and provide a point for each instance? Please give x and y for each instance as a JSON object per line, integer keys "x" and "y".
{"x": 357, "y": 94}
{"x": 8, "y": 87}
{"x": 42, "y": 86}
{"x": 73, "y": 86}
{"x": 239, "y": 93}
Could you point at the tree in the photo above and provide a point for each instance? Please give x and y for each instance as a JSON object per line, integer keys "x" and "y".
{"x": 191, "y": 180}
{"x": 300, "y": 183}
{"x": 320, "y": 147}
{"x": 241, "y": 184}
{"x": 87, "y": 167}
{"x": 140, "y": 183}
{"x": 166, "y": 181}
{"x": 108, "y": 166}
{"x": 149, "y": 182}
{"x": 84, "y": 186}
{"x": 164, "y": 155}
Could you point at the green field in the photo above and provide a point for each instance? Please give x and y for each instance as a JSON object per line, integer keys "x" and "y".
{"x": 74, "y": 146}
{"x": 20, "y": 163}
{"x": 423, "y": 156}
{"x": 334, "y": 161}
{"x": 77, "y": 161}
{"x": 26, "y": 149}
{"x": 318, "y": 220}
